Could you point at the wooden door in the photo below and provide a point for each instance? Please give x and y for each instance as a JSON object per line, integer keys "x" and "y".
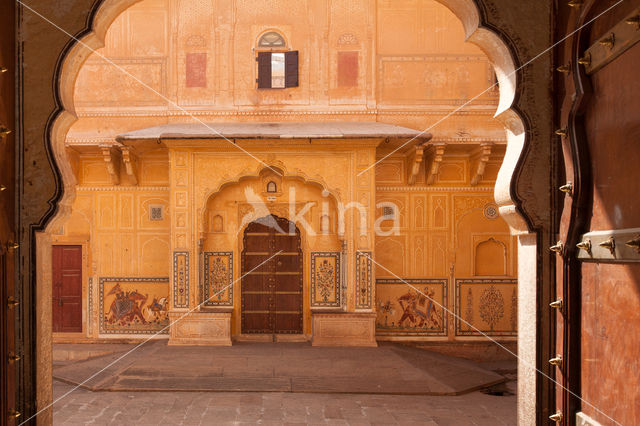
{"x": 12, "y": 360}
{"x": 67, "y": 289}
{"x": 598, "y": 274}
{"x": 271, "y": 283}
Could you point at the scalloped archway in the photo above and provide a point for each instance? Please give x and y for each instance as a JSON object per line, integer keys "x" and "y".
{"x": 106, "y": 11}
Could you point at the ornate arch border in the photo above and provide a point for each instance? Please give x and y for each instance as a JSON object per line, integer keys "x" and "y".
{"x": 498, "y": 47}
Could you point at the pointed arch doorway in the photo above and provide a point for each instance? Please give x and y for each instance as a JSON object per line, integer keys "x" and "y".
{"x": 271, "y": 285}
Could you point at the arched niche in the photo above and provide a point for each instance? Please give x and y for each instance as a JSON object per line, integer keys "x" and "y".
{"x": 240, "y": 202}
{"x": 490, "y": 258}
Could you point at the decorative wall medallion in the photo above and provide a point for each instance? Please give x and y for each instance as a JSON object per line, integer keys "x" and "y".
{"x": 364, "y": 279}
{"x": 134, "y": 305}
{"x": 218, "y": 278}
{"x": 180, "y": 279}
{"x": 325, "y": 279}
{"x": 492, "y": 303}
{"x": 491, "y": 211}
{"x": 196, "y": 41}
{"x": 411, "y": 307}
{"x": 347, "y": 39}
{"x": 156, "y": 212}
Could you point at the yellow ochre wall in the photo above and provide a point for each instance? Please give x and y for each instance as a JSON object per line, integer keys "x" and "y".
{"x": 112, "y": 223}
{"x": 414, "y": 70}
{"x": 444, "y": 234}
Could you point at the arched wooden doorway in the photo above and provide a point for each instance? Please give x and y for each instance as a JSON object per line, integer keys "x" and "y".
{"x": 271, "y": 286}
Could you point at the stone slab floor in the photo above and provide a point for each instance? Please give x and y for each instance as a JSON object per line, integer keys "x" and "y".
{"x": 83, "y": 407}
{"x": 170, "y": 407}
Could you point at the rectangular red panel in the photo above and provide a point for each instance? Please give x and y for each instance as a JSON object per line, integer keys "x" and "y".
{"x": 196, "y": 70}
{"x": 347, "y": 69}
{"x": 67, "y": 288}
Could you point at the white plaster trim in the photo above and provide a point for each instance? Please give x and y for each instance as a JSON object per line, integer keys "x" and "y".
{"x": 583, "y": 420}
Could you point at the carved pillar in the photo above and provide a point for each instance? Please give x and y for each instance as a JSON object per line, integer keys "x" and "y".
{"x": 182, "y": 241}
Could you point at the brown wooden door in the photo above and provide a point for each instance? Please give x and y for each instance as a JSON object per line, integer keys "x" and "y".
{"x": 598, "y": 323}
{"x": 11, "y": 358}
{"x": 67, "y": 289}
{"x": 272, "y": 283}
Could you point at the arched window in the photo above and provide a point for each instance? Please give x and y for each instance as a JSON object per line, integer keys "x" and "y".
{"x": 271, "y": 39}
{"x": 272, "y": 187}
{"x": 277, "y": 68}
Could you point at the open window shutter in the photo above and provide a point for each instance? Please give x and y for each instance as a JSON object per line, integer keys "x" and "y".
{"x": 291, "y": 69}
{"x": 264, "y": 70}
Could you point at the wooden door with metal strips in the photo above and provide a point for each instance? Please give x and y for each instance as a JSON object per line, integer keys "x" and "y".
{"x": 272, "y": 277}
{"x": 597, "y": 342}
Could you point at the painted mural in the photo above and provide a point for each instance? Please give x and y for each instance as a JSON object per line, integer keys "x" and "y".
{"x": 411, "y": 307}
{"x": 134, "y": 305}
{"x": 364, "y": 278}
{"x": 325, "y": 279}
{"x": 180, "y": 279}
{"x": 218, "y": 278}
{"x": 486, "y": 306}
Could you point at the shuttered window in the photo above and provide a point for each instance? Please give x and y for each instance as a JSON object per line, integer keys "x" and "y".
{"x": 270, "y": 73}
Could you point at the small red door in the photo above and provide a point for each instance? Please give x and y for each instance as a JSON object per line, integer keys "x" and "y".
{"x": 67, "y": 289}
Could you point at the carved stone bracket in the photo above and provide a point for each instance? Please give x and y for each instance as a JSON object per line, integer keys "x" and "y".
{"x": 435, "y": 154}
{"x": 414, "y": 161}
{"x": 112, "y": 158}
{"x": 129, "y": 160}
{"x": 481, "y": 159}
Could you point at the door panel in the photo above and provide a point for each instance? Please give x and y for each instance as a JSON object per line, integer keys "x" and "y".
{"x": 272, "y": 291}
{"x": 67, "y": 288}
{"x": 598, "y": 325}
{"x": 610, "y": 342}
{"x": 610, "y": 314}
{"x": 10, "y": 367}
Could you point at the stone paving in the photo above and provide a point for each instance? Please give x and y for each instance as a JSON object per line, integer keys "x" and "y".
{"x": 279, "y": 367}
{"x": 279, "y": 384}
{"x": 277, "y": 408}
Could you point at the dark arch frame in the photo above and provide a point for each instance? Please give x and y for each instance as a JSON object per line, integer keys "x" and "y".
{"x": 26, "y": 286}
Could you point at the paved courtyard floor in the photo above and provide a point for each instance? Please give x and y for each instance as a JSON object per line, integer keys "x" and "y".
{"x": 258, "y": 383}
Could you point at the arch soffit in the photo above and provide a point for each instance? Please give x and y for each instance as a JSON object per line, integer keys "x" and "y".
{"x": 277, "y": 166}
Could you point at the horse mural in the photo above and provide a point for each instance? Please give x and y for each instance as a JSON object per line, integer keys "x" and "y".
{"x": 157, "y": 309}
{"x": 126, "y": 307}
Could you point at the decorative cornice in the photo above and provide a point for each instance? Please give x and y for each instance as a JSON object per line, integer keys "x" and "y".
{"x": 445, "y": 108}
{"x": 435, "y": 188}
{"x": 472, "y": 140}
{"x": 121, "y": 188}
{"x": 91, "y": 140}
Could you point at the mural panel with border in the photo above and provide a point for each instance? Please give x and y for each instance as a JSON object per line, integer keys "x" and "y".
{"x": 488, "y": 304}
{"x": 411, "y": 307}
{"x": 218, "y": 278}
{"x": 325, "y": 279}
{"x": 134, "y": 305}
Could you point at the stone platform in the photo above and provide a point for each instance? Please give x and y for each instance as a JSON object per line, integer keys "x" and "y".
{"x": 275, "y": 367}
